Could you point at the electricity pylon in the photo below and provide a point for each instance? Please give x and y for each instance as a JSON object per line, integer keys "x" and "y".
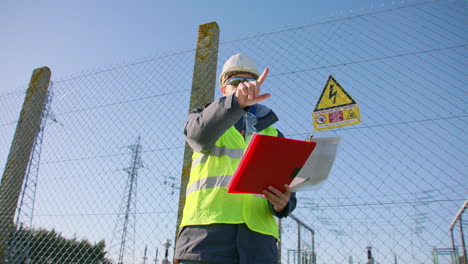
{"x": 124, "y": 231}
{"x": 21, "y": 242}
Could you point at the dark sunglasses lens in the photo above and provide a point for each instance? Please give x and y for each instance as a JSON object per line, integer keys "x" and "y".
{"x": 237, "y": 80}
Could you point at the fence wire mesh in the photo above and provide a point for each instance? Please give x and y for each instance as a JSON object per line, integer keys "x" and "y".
{"x": 105, "y": 187}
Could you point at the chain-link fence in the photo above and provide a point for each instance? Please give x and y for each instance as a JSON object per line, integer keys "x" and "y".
{"x": 103, "y": 181}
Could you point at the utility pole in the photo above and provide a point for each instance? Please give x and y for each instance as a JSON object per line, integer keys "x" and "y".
{"x": 156, "y": 257}
{"x": 167, "y": 245}
{"x": 144, "y": 257}
{"x": 370, "y": 258}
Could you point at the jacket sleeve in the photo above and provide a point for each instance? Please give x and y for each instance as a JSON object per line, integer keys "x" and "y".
{"x": 288, "y": 209}
{"x": 206, "y": 125}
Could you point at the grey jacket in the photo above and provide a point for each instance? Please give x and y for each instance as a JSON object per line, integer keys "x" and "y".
{"x": 223, "y": 243}
{"x": 206, "y": 125}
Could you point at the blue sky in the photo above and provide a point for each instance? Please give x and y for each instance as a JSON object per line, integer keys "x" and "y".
{"x": 74, "y": 36}
{"x": 407, "y": 103}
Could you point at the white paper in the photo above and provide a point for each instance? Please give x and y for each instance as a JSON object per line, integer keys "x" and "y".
{"x": 318, "y": 166}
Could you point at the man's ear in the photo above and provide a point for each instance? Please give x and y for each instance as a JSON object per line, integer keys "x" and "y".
{"x": 223, "y": 90}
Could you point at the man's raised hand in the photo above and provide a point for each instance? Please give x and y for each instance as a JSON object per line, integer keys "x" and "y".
{"x": 248, "y": 93}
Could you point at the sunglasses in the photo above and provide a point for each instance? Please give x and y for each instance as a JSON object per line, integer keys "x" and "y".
{"x": 238, "y": 80}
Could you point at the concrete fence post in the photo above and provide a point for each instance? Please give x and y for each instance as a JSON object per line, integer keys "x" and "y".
{"x": 26, "y": 132}
{"x": 203, "y": 88}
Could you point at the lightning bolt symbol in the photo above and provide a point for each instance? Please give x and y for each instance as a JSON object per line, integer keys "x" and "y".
{"x": 332, "y": 94}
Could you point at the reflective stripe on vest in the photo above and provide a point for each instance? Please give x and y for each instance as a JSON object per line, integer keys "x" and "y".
{"x": 217, "y": 151}
{"x": 209, "y": 182}
{"x": 207, "y": 199}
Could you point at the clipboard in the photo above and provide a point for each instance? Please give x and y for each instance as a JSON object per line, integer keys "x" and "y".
{"x": 269, "y": 161}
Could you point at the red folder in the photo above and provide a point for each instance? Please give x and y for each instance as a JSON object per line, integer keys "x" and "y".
{"x": 269, "y": 161}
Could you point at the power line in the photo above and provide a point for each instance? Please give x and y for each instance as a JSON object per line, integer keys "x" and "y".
{"x": 401, "y": 194}
{"x": 123, "y": 66}
{"x": 109, "y": 155}
{"x": 389, "y": 124}
{"x": 328, "y": 22}
{"x": 370, "y": 60}
{"x": 102, "y": 214}
{"x": 280, "y": 74}
{"x": 318, "y": 206}
{"x": 120, "y": 102}
{"x": 17, "y": 91}
{"x": 382, "y": 203}
{"x": 289, "y": 135}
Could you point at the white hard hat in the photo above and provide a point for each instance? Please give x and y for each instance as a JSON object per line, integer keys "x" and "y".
{"x": 236, "y": 64}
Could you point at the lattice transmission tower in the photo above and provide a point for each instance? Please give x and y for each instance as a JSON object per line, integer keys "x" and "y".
{"x": 21, "y": 241}
{"x": 123, "y": 245}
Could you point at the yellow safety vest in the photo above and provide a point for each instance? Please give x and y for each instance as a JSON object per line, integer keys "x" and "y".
{"x": 207, "y": 199}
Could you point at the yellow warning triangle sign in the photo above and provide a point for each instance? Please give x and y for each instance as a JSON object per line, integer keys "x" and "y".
{"x": 351, "y": 115}
{"x": 333, "y": 95}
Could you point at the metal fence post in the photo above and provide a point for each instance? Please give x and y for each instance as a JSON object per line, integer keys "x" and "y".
{"x": 312, "y": 232}
{"x": 203, "y": 87}
{"x": 462, "y": 239}
{"x": 20, "y": 152}
{"x": 458, "y": 217}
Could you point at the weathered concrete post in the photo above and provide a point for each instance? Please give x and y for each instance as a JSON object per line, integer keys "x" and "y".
{"x": 203, "y": 89}
{"x": 20, "y": 152}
